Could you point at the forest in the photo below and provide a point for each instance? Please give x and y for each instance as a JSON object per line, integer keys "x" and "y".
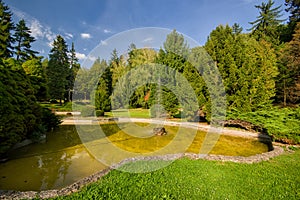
{"x": 259, "y": 67}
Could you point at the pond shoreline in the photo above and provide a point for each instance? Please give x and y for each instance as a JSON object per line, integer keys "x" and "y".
{"x": 75, "y": 187}
{"x": 194, "y": 125}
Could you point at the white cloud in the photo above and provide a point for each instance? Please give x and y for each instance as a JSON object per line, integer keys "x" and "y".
{"x": 91, "y": 58}
{"x": 38, "y": 30}
{"x": 50, "y": 44}
{"x": 102, "y": 42}
{"x": 80, "y": 56}
{"x": 85, "y": 35}
{"x": 106, "y": 31}
{"x": 149, "y": 39}
{"x": 69, "y": 35}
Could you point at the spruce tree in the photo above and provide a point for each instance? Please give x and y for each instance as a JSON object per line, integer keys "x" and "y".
{"x": 176, "y": 44}
{"x": 292, "y": 56}
{"x": 58, "y": 69}
{"x": 247, "y": 67}
{"x": 23, "y": 41}
{"x": 6, "y": 27}
{"x": 293, "y": 9}
{"x": 74, "y": 67}
{"x": 266, "y": 24}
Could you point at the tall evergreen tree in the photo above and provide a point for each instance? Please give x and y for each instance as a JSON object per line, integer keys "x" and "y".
{"x": 236, "y": 28}
{"x": 6, "y": 27}
{"x": 58, "y": 69}
{"x": 290, "y": 70}
{"x": 247, "y": 67}
{"x": 23, "y": 41}
{"x": 74, "y": 67}
{"x": 293, "y": 9}
{"x": 176, "y": 44}
{"x": 265, "y": 26}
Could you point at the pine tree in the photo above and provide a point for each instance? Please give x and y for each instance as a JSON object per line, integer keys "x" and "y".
{"x": 176, "y": 44}
{"x": 23, "y": 41}
{"x": 291, "y": 71}
{"x": 266, "y": 25}
{"x": 294, "y": 9}
{"x": 74, "y": 67}
{"x": 247, "y": 67}
{"x": 6, "y": 27}
{"x": 236, "y": 28}
{"x": 58, "y": 69}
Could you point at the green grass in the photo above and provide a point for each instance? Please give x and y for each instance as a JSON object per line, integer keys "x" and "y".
{"x": 63, "y": 108}
{"x": 200, "y": 179}
{"x": 134, "y": 113}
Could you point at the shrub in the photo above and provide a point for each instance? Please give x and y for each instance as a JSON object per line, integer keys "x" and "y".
{"x": 282, "y": 124}
{"x": 53, "y": 101}
{"x": 49, "y": 119}
{"x": 99, "y": 113}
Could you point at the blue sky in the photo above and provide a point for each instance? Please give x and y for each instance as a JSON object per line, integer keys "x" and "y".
{"x": 91, "y": 22}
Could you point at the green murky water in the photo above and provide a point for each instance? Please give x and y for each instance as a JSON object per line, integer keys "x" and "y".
{"x": 63, "y": 159}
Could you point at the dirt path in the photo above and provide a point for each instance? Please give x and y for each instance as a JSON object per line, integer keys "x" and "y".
{"x": 195, "y": 125}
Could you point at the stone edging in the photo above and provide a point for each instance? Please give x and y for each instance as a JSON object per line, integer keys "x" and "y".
{"x": 75, "y": 187}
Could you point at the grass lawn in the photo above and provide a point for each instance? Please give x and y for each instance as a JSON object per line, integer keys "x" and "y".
{"x": 134, "y": 113}
{"x": 200, "y": 179}
{"x": 63, "y": 108}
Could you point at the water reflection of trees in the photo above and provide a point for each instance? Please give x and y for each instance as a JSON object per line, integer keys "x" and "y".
{"x": 54, "y": 168}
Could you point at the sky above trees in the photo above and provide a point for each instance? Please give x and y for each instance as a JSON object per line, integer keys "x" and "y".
{"x": 88, "y": 23}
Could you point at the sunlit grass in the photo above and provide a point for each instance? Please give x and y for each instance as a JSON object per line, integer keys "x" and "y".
{"x": 201, "y": 179}
{"x": 134, "y": 113}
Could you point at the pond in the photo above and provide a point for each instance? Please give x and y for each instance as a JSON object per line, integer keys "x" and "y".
{"x": 63, "y": 159}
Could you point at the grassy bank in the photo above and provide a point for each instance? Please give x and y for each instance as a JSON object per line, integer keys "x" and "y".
{"x": 199, "y": 179}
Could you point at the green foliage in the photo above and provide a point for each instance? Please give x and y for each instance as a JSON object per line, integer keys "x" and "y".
{"x": 248, "y": 68}
{"x": 294, "y": 9}
{"x": 34, "y": 69}
{"x": 176, "y": 44}
{"x": 6, "y": 27}
{"x": 265, "y": 26}
{"x": 103, "y": 90}
{"x": 99, "y": 113}
{"x": 21, "y": 117}
{"x": 49, "y": 120}
{"x": 23, "y": 41}
{"x": 283, "y": 124}
{"x": 58, "y": 69}
{"x": 74, "y": 67}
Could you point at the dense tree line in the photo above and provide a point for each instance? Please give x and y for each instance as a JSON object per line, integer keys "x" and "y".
{"x": 26, "y": 79}
{"x": 259, "y": 69}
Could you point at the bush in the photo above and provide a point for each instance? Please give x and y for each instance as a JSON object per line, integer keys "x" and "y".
{"x": 49, "y": 119}
{"x": 282, "y": 124}
{"x": 99, "y": 113}
{"x": 53, "y": 101}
